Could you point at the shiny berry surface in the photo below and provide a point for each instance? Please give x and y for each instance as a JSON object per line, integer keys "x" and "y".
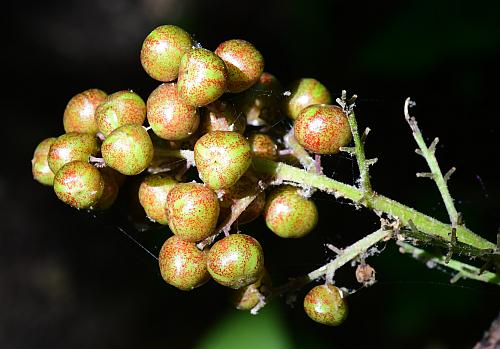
{"x": 120, "y": 108}
{"x": 39, "y": 164}
{"x": 326, "y": 305}
{"x": 79, "y": 115}
{"x": 263, "y": 146}
{"x": 304, "y": 93}
{"x": 153, "y": 193}
{"x": 70, "y": 147}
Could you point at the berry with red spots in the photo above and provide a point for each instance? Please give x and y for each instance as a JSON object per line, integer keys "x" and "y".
{"x": 322, "y": 129}
{"x": 288, "y": 214}
{"x": 304, "y": 93}
{"x": 79, "y": 115}
{"x": 326, "y": 304}
{"x": 192, "y": 211}
{"x": 236, "y": 261}
{"x": 263, "y": 146}
{"x": 128, "y": 150}
{"x": 222, "y": 116}
{"x": 70, "y": 147}
{"x": 153, "y": 193}
{"x": 39, "y": 164}
{"x": 222, "y": 157}
{"x": 120, "y": 108}
{"x": 202, "y": 77}
{"x": 244, "y": 64}
{"x": 79, "y": 184}
{"x": 182, "y": 264}
{"x": 162, "y": 51}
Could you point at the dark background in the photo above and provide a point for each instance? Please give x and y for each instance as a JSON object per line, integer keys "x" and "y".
{"x": 68, "y": 280}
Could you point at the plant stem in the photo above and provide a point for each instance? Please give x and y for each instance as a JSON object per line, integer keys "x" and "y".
{"x": 299, "y": 152}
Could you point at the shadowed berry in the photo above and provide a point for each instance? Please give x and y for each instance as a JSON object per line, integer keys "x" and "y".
{"x": 79, "y": 115}
{"x": 263, "y": 146}
{"x": 182, "y": 264}
{"x": 109, "y": 192}
{"x": 249, "y": 296}
{"x": 222, "y": 116}
{"x": 322, "y": 129}
{"x": 153, "y": 196}
{"x": 242, "y": 188}
{"x": 39, "y": 164}
{"x": 120, "y": 108}
{"x": 325, "y": 304}
{"x": 304, "y": 93}
{"x": 71, "y": 146}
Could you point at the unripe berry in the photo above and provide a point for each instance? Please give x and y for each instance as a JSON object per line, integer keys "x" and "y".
{"x": 304, "y": 93}
{"x": 120, "y": 108}
{"x": 236, "y": 261}
{"x": 79, "y": 184}
{"x": 288, "y": 214}
{"x": 222, "y": 158}
{"x": 153, "y": 196}
{"x": 322, "y": 129}
{"x": 182, "y": 264}
{"x": 70, "y": 147}
{"x": 128, "y": 150}
{"x": 39, "y": 164}
{"x": 79, "y": 115}
{"x": 263, "y": 146}
{"x": 244, "y": 64}
{"x": 325, "y": 304}
{"x": 162, "y": 51}
{"x": 202, "y": 77}
{"x": 222, "y": 116}
{"x": 249, "y": 296}
{"x": 192, "y": 211}
{"x": 169, "y": 116}
{"x": 109, "y": 192}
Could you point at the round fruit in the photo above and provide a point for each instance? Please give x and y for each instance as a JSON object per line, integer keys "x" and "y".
{"x": 241, "y": 189}
{"x": 322, "y": 129}
{"x": 263, "y": 146}
{"x": 222, "y": 157}
{"x": 304, "y": 93}
{"x": 70, "y": 147}
{"x": 109, "y": 192}
{"x": 192, "y": 211}
{"x": 182, "y": 264}
{"x": 249, "y": 296}
{"x": 39, "y": 164}
{"x": 236, "y": 261}
{"x": 162, "y": 51}
{"x": 79, "y": 115}
{"x": 202, "y": 77}
{"x": 288, "y": 214}
{"x": 128, "y": 149}
{"x": 153, "y": 196}
{"x": 120, "y": 108}
{"x": 244, "y": 64}
{"x": 325, "y": 304}
{"x": 222, "y": 116}
{"x": 79, "y": 184}
{"x": 169, "y": 116}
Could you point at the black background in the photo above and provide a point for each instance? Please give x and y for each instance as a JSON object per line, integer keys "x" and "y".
{"x": 68, "y": 280}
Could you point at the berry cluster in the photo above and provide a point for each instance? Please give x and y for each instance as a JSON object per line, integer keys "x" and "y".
{"x": 221, "y": 105}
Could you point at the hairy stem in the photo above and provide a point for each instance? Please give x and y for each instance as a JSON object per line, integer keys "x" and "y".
{"x": 299, "y": 152}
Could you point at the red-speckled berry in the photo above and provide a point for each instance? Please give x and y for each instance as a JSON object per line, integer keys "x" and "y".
{"x": 118, "y": 109}
{"x": 325, "y": 304}
{"x": 192, "y": 211}
{"x": 169, "y": 116}
{"x": 244, "y": 64}
{"x": 79, "y": 115}
{"x": 79, "y": 184}
{"x": 236, "y": 261}
{"x": 222, "y": 158}
{"x": 162, "y": 51}
{"x": 128, "y": 150}
{"x": 242, "y": 188}
{"x": 39, "y": 164}
{"x": 322, "y": 129}
{"x": 71, "y": 146}
{"x": 263, "y": 146}
{"x": 222, "y": 116}
{"x": 249, "y": 296}
{"x": 153, "y": 196}
{"x": 109, "y": 192}
{"x": 304, "y": 93}
{"x": 202, "y": 77}
{"x": 182, "y": 264}
{"x": 288, "y": 214}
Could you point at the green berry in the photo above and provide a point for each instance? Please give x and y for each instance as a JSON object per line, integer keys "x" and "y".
{"x": 182, "y": 264}
{"x": 322, "y": 129}
{"x": 79, "y": 115}
{"x": 263, "y": 146}
{"x": 222, "y": 157}
{"x": 39, "y": 164}
{"x": 202, "y": 77}
{"x": 242, "y": 188}
{"x": 192, "y": 211}
{"x": 326, "y": 304}
{"x": 128, "y": 149}
{"x": 109, "y": 192}
{"x": 120, "y": 108}
{"x": 79, "y": 184}
{"x": 244, "y": 64}
{"x": 304, "y": 93}
{"x": 153, "y": 196}
{"x": 162, "y": 51}
{"x": 249, "y": 296}
{"x": 70, "y": 147}
{"x": 236, "y": 261}
{"x": 288, "y": 214}
{"x": 169, "y": 116}
{"x": 222, "y": 116}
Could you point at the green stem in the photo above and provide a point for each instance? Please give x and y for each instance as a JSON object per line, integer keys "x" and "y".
{"x": 299, "y": 152}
